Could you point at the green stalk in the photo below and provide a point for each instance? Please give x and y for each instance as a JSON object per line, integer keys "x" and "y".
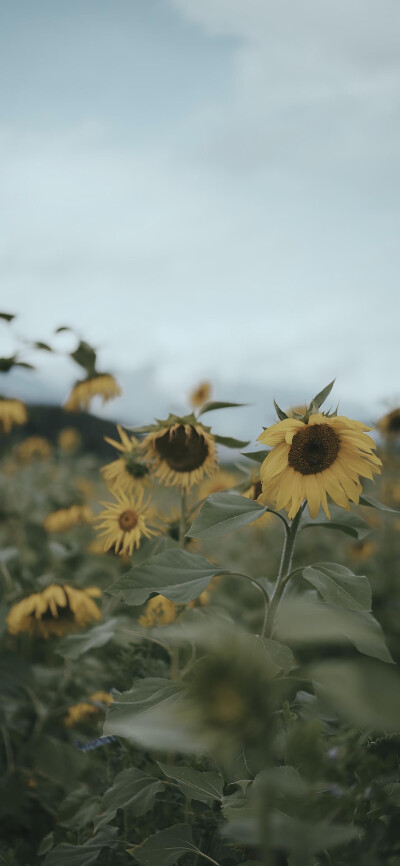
{"x": 283, "y": 574}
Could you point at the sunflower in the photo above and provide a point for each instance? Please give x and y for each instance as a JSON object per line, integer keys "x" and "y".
{"x": 124, "y": 523}
{"x": 327, "y": 455}
{"x": 58, "y": 610}
{"x": 98, "y": 385}
{"x": 158, "y": 611}
{"x": 11, "y": 412}
{"x": 389, "y": 424}
{"x": 220, "y": 481}
{"x": 69, "y": 440}
{"x": 182, "y": 453}
{"x": 200, "y": 395}
{"x": 254, "y": 492}
{"x": 83, "y": 711}
{"x": 32, "y": 448}
{"x": 65, "y": 518}
{"x": 128, "y": 470}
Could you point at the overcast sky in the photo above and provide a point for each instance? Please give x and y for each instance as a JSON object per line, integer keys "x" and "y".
{"x": 207, "y": 188}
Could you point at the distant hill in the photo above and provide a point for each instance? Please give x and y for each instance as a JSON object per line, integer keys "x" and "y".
{"x": 44, "y": 420}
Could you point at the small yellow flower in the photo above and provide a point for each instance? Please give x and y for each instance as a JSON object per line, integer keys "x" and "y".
{"x": 123, "y": 524}
{"x": 327, "y": 455}
{"x": 129, "y": 469}
{"x": 389, "y": 424}
{"x": 219, "y": 482}
{"x": 200, "y": 395}
{"x": 11, "y": 412}
{"x": 203, "y": 599}
{"x": 65, "y": 518}
{"x": 158, "y": 611}
{"x": 83, "y": 711}
{"x": 32, "y": 448}
{"x": 99, "y": 385}
{"x": 182, "y": 454}
{"x": 69, "y": 440}
{"x": 57, "y": 610}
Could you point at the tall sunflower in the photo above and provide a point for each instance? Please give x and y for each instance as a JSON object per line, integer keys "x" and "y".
{"x": 314, "y": 457}
{"x": 11, "y": 412}
{"x": 129, "y": 469}
{"x": 57, "y": 610}
{"x": 96, "y": 385}
{"x": 182, "y": 451}
{"x": 124, "y": 522}
{"x": 83, "y": 711}
{"x": 158, "y": 611}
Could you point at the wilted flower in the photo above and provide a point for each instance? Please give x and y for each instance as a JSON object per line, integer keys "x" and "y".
{"x": 57, "y": 610}
{"x": 327, "y": 455}
{"x": 182, "y": 453}
{"x": 98, "y": 385}
{"x": 11, "y": 412}
{"x": 65, "y": 518}
{"x": 129, "y": 469}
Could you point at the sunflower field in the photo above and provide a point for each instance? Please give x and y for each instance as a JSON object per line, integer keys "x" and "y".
{"x": 199, "y": 659}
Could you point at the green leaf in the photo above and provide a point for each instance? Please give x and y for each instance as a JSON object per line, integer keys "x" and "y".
{"x": 279, "y": 655}
{"x": 308, "y": 837}
{"x": 366, "y": 693}
{"x": 203, "y": 786}
{"x": 60, "y": 330}
{"x": 85, "y": 356}
{"x": 44, "y": 346}
{"x": 176, "y": 574}
{"x": 338, "y": 585}
{"x": 237, "y": 807}
{"x": 46, "y": 844}
{"x": 301, "y": 621}
{"x": 132, "y": 788}
{"x": 280, "y": 413}
{"x": 210, "y": 407}
{"x": 230, "y": 442}
{"x": 257, "y": 456}
{"x": 373, "y": 503}
{"x": 8, "y": 317}
{"x": 165, "y": 848}
{"x": 82, "y": 855}
{"x": 345, "y": 521}
{"x": 147, "y": 715}
{"x": 320, "y": 398}
{"x": 223, "y": 513}
{"x": 75, "y": 645}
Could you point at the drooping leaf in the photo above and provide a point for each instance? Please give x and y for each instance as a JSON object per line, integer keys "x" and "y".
{"x": 8, "y": 317}
{"x": 147, "y": 715}
{"x": 132, "y": 788}
{"x": 302, "y": 621}
{"x": 366, "y": 693}
{"x": 279, "y": 656}
{"x": 44, "y": 346}
{"x": 210, "y": 407}
{"x": 345, "y": 521}
{"x": 230, "y": 442}
{"x": 222, "y": 513}
{"x": 165, "y": 848}
{"x": 176, "y": 574}
{"x": 373, "y": 503}
{"x": 257, "y": 456}
{"x": 75, "y": 645}
{"x": 338, "y": 585}
{"x": 85, "y": 356}
{"x": 196, "y": 785}
{"x": 82, "y": 855}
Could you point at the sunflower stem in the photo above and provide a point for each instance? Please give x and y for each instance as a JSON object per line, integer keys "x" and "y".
{"x": 182, "y": 520}
{"x": 283, "y": 574}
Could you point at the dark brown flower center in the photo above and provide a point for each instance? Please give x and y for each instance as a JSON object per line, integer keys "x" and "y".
{"x": 394, "y": 423}
{"x": 128, "y": 520}
{"x": 183, "y": 451}
{"x": 314, "y": 448}
{"x": 256, "y": 489}
{"x": 63, "y": 611}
